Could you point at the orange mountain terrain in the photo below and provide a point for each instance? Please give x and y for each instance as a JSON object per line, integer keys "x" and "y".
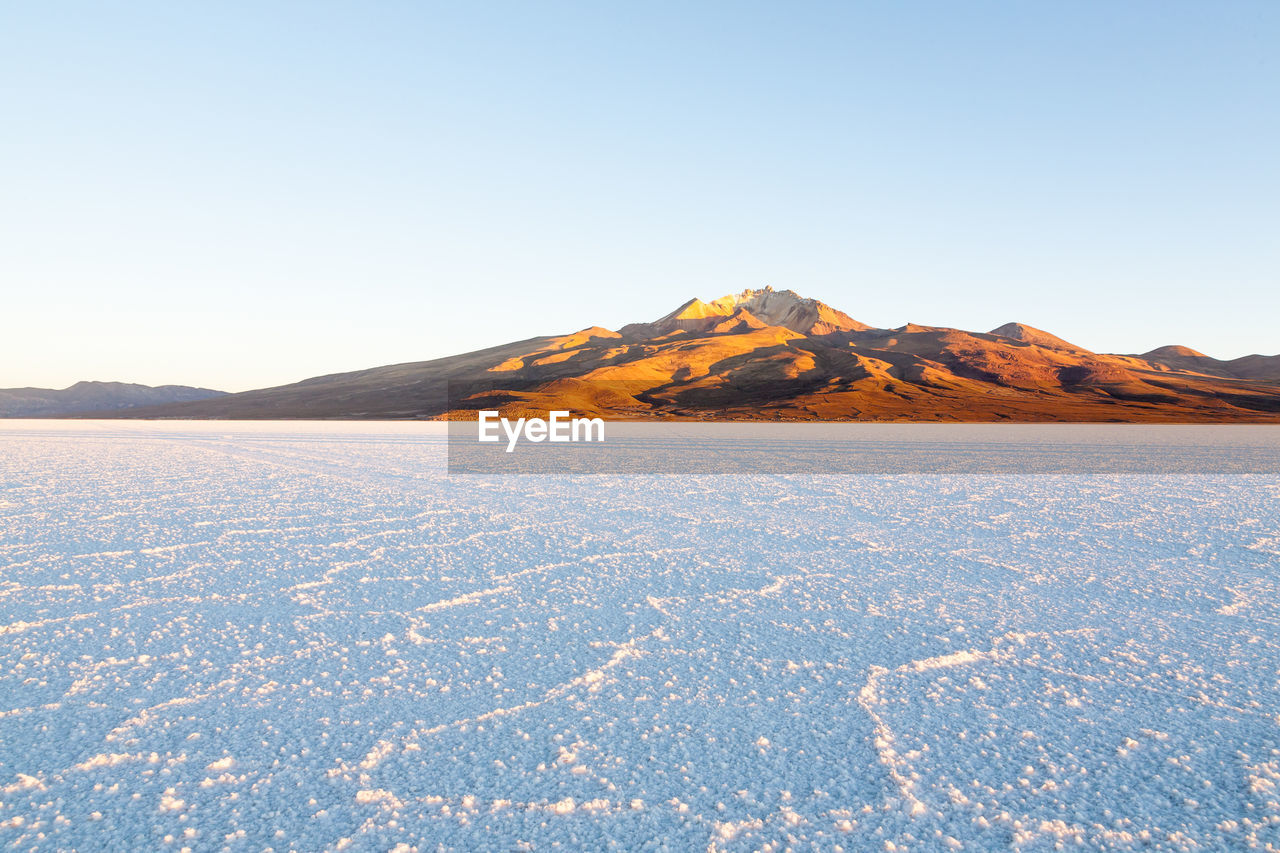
{"x": 773, "y": 355}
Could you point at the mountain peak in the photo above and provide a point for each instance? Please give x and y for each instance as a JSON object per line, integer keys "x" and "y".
{"x": 696, "y": 309}
{"x": 94, "y": 385}
{"x": 793, "y": 311}
{"x": 752, "y": 298}
{"x": 1173, "y": 351}
{"x": 770, "y": 307}
{"x": 1032, "y": 335}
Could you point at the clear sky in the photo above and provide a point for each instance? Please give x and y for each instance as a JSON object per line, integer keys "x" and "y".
{"x": 243, "y": 194}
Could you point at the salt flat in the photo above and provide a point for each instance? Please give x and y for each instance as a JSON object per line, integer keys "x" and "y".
{"x": 307, "y": 636}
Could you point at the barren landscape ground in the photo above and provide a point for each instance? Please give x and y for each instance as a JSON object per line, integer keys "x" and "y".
{"x": 308, "y": 636}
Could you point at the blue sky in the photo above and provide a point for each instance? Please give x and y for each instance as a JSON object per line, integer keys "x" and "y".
{"x": 239, "y": 195}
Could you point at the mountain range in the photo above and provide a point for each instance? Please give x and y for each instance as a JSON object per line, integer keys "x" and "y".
{"x": 93, "y": 398}
{"x": 774, "y": 355}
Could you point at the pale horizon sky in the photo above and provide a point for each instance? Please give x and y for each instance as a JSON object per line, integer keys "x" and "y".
{"x": 238, "y": 195}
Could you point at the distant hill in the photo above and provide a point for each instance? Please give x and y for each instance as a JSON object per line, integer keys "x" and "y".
{"x": 1260, "y": 367}
{"x": 91, "y": 398}
{"x": 775, "y": 355}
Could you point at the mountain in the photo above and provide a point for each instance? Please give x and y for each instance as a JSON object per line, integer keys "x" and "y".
{"x": 1031, "y": 335}
{"x": 1257, "y": 367}
{"x": 90, "y": 398}
{"x": 774, "y": 355}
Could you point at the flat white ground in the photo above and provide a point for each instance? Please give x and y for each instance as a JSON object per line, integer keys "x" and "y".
{"x": 284, "y": 636}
